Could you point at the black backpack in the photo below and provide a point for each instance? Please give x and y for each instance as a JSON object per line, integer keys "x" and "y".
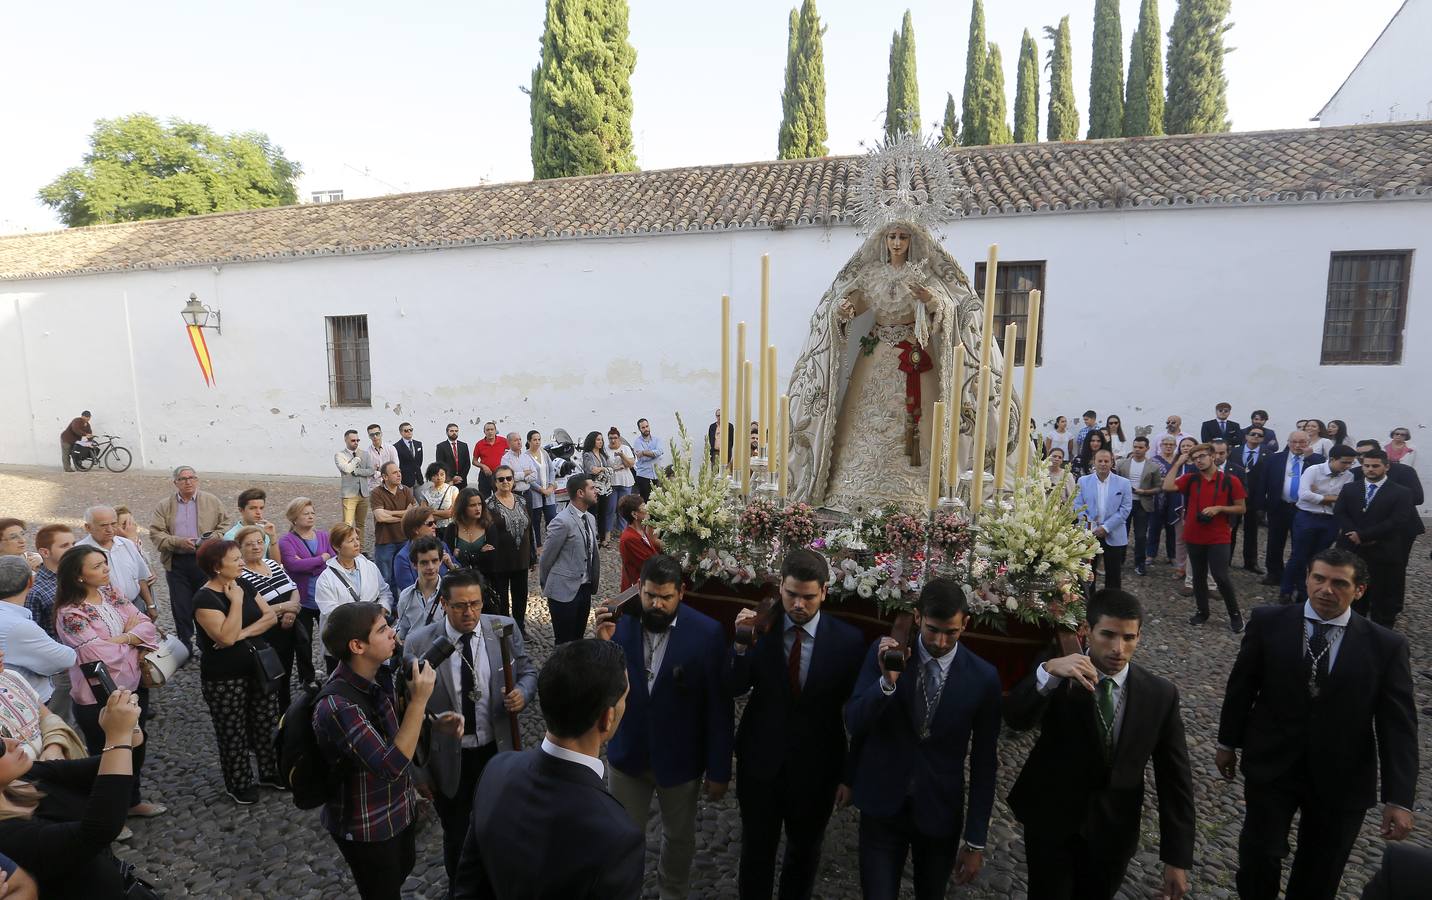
{"x": 303, "y": 767}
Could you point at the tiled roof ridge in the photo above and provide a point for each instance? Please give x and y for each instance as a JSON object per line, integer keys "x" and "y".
{"x": 1352, "y": 162}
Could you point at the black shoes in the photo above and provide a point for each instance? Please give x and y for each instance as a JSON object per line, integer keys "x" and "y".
{"x": 1198, "y": 618}
{"x": 1140, "y": 570}
{"x": 1256, "y": 570}
{"x": 246, "y": 797}
{"x": 1285, "y": 599}
{"x": 1235, "y": 624}
{"x": 1271, "y": 581}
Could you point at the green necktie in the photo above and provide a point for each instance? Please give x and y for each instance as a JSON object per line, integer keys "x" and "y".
{"x": 1106, "y": 712}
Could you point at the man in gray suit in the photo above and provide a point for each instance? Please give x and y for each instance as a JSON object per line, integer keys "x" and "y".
{"x": 353, "y": 473}
{"x": 1146, "y": 479}
{"x": 469, "y": 707}
{"x": 570, "y": 569}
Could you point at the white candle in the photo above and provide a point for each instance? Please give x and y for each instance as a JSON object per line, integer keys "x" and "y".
{"x": 1031, "y": 357}
{"x": 783, "y": 428}
{"x": 723, "y": 454}
{"x": 937, "y": 445}
{"x": 1006, "y": 405}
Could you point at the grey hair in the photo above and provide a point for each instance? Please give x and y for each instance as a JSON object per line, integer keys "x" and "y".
{"x": 14, "y": 575}
{"x": 89, "y": 513}
{"x": 180, "y": 470}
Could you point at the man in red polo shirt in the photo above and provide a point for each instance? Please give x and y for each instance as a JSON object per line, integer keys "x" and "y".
{"x": 1211, "y": 497}
{"x": 487, "y": 455}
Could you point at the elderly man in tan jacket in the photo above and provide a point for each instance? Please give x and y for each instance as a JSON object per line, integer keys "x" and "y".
{"x": 182, "y": 521}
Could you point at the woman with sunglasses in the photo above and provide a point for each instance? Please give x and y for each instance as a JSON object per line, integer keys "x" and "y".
{"x": 1114, "y": 431}
{"x": 512, "y": 556}
{"x": 1398, "y": 450}
{"x": 418, "y": 522}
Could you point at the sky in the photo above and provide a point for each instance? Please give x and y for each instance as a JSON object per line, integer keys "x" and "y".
{"x": 374, "y": 99}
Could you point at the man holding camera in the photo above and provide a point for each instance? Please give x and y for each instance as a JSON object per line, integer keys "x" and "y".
{"x": 679, "y": 720}
{"x": 469, "y": 708}
{"x": 1211, "y": 496}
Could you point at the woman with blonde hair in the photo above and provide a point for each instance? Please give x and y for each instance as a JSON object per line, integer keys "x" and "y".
{"x": 305, "y": 550}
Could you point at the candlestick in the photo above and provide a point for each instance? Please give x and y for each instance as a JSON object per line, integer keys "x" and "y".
{"x": 723, "y": 453}
{"x": 981, "y": 421}
{"x": 769, "y": 423}
{"x": 740, "y": 412}
{"x": 1031, "y": 358}
{"x": 768, "y": 376}
{"x": 736, "y": 431}
{"x": 987, "y": 331}
{"x": 783, "y": 431}
{"x": 937, "y": 446}
{"x": 744, "y": 434}
{"x": 953, "y": 411}
{"x": 1006, "y": 404}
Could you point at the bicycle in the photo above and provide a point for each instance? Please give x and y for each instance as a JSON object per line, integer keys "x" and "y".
{"x": 106, "y": 452}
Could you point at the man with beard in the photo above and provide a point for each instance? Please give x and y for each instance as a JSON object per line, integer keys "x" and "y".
{"x": 679, "y": 720}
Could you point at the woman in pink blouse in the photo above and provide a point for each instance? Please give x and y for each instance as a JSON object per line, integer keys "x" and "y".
{"x": 102, "y": 625}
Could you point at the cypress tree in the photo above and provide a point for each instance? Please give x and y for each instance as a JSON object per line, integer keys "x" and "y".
{"x": 902, "y": 98}
{"x": 950, "y": 127}
{"x": 975, "y": 133}
{"x": 1197, "y": 88}
{"x": 1026, "y": 95}
{"x": 581, "y": 91}
{"x": 995, "y": 114}
{"x": 1144, "y": 97}
{"x": 1106, "y": 73}
{"x": 1063, "y": 112}
{"x": 803, "y": 129}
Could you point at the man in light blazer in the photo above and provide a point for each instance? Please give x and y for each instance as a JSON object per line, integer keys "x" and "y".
{"x": 1147, "y": 482}
{"x": 1104, "y": 503}
{"x": 570, "y": 570}
{"x": 470, "y": 706}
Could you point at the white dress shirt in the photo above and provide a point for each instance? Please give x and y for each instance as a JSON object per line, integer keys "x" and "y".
{"x": 807, "y": 642}
{"x": 1335, "y": 634}
{"x": 482, "y": 728}
{"x": 522, "y": 476}
{"x": 127, "y": 566}
{"x": 1317, "y": 482}
{"x": 654, "y": 651}
{"x": 590, "y": 762}
{"x": 924, "y": 656}
{"x": 1288, "y": 476}
{"x": 1046, "y": 683}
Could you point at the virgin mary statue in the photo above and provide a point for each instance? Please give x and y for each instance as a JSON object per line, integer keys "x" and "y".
{"x": 881, "y": 351}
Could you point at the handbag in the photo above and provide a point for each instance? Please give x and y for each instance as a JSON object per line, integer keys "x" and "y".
{"x": 269, "y": 673}
{"x": 158, "y": 666}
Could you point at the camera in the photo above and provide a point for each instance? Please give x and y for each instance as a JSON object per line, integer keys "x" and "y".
{"x": 437, "y": 654}
{"x": 97, "y": 675}
{"x": 1205, "y": 517}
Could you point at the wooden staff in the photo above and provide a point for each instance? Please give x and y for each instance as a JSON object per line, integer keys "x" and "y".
{"x": 504, "y": 641}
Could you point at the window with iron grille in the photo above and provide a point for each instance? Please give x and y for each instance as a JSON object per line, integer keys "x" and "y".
{"x": 349, "y": 381}
{"x": 1012, "y": 283}
{"x": 1367, "y": 308}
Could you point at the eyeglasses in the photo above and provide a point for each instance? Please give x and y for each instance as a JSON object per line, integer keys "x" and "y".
{"x": 187, "y": 478}
{"x": 470, "y": 606}
{"x": 374, "y": 433}
{"x": 503, "y": 478}
{"x": 430, "y": 523}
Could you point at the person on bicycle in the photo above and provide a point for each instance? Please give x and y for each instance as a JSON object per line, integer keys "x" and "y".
{"x": 77, "y": 429}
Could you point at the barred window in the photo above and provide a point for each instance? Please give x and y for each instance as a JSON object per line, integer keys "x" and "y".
{"x": 349, "y": 381}
{"x": 1012, "y": 283}
{"x": 1367, "y": 308}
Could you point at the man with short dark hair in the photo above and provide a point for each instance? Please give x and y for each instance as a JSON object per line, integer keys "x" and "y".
{"x": 679, "y": 720}
{"x": 252, "y": 502}
{"x": 1320, "y": 703}
{"x": 353, "y": 474}
{"x": 417, "y": 605}
{"x": 378, "y": 455}
{"x": 554, "y": 796}
{"x": 181, "y": 522}
{"x": 1080, "y": 795}
{"x": 791, "y": 748}
{"x": 914, "y": 726}
{"x": 454, "y": 456}
{"x": 487, "y": 456}
{"x": 390, "y": 501}
{"x": 570, "y": 569}
{"x": 1314, "y": 528}
{"x": 1146, "y": 483}
{"x": 1375, "y": 520}
{"x": 371, "y": 815}
{"x": 1259, "y": 419}
{"x": 1210, "y": 497}
{"x": 1091, "y": 423}
{"x": 1251, "y": 460}
{"x": 78, "y": 428}
{"x": 648, "y": 457}
{"x": 1104, "y": 503}
{"x": 410, "y": 456}
{"x": 1221, "y": 428}
{"x": 711, "y": 445}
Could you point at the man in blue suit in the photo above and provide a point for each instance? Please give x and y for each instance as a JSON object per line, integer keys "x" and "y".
{"x": 1281, "y": 482}
{"x": 911, "y": 737}
{"x": 679, "y": 719}
{"x": 790, "y": 750}
{"x": 1104, "y": 503}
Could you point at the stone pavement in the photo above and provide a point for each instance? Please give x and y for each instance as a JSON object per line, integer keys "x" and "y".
{"x": 207, "y": 847}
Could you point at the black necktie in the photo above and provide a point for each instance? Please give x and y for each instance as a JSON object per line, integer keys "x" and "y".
{"x": 469, "y": 687}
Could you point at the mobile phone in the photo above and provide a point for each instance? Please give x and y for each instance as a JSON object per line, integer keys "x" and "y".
{"x": 97, "y": 675}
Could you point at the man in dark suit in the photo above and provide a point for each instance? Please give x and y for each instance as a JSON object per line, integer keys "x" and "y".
{"x": 1220, "y": 428}
{"x": 410, "y": 456}
{"x": 543, "y": 824}
{"x": 1405, "y": 475}
{"x": 1375, "y": 519}
{"x": 1320, "y": 703}
{"x": 1406, "y": 871}
{"x": 1249, "y": 462}
{"x": 1080, "y": 796}
{"x": 679, "y": 721}
{"x": 911, "y": 736}
{"x": 469, "y": 706}
{"x": 1259, "y": 419}
{"x": 454, "y": 456}
{"x": 1280, "y": 499}
{"x": 790, "y": 749}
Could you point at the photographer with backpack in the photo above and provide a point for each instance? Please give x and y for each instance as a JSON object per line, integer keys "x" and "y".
{"x": 371, "y": 806}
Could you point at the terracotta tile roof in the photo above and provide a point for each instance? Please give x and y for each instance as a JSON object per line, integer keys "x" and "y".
{"x": 1310, "y": 165}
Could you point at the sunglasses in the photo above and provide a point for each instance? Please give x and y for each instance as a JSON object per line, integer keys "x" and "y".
{"x": 430, "y": 523}
{"x": 503, "y": 478}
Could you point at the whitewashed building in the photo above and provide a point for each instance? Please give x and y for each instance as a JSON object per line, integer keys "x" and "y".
{"x": 1275, "y": 270}
{"x": 1393, "y": 80}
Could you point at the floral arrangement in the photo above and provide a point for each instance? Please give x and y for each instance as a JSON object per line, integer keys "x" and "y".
{"x": 691, "y": 512}
{"x": 798, "y": 526}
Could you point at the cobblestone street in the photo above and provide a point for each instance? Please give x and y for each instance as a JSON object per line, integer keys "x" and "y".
{"x": 207, "y": 847}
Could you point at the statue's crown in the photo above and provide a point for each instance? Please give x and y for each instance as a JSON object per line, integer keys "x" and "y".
{"x": 906, "y": 179}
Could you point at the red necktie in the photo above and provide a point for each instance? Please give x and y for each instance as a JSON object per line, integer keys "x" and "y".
{"x": 793, "y": 664}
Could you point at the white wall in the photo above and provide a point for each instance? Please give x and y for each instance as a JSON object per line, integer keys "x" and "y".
{"x": 1393, "y": 83}
{"x": 1148, "y": 313}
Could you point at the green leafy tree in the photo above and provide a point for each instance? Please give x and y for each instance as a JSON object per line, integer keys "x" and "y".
{"x": 902, "y": 98}
{"x": 140, "y": 168}
{"x": 803, "y": 129}
{"x": 1144, "y": 95}
{"x": 1063, "y": 112}
{"x": 976, "y": 133}
{"x": 1106, "y": 72}
{"x": 581, "y": 91}
{"x": 1026, "y": 93}
{"x": 996, "y": 115}
{"x": 1197, "y": 87}
{"x": 950, "y": 125}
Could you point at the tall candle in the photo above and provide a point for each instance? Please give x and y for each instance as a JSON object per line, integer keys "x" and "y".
{"x": 981, "y": 421}
{"x": 1031, "y": 357}
{"x": 783, "y": 432}
{"x": 1006, "y": 405}
{"x": 770, "y": 422}
{"x": 737, "y": 426}
{"x": 739, "y": 412}
{"x": 937, "y": 445}
{"x": 743, "y": 434}
{"x": 987, "y": 332}
{"x": 768, "y": 376}
{"x": 723, "y": 454}
{"x": 952, "y": 412}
